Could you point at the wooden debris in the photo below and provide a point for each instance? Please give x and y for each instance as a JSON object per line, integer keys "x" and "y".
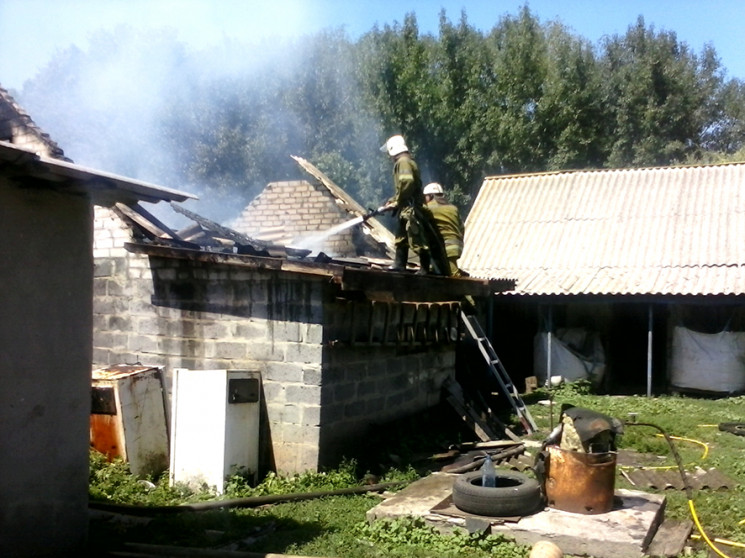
{"x": 456, "y": 399}
{"x": 670, "y": 538}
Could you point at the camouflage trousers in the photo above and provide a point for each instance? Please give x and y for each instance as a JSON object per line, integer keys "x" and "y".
{"x": 410, "y": 230}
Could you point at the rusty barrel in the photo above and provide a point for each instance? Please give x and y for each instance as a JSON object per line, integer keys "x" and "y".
{"x": 580, "y": 482}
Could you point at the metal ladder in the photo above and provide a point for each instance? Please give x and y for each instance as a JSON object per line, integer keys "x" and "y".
{"x": 497, "y": 368}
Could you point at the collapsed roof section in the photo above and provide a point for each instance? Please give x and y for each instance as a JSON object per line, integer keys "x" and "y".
{"x": 210, "y": 242}
{"x": 30, "y": 159}
{"x": 317, "y": 215}
{"x": 376, "y": 229}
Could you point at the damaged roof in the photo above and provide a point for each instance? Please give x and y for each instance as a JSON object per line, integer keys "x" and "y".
{"x": 649, "y": 231}
{"x": 17, "y": 128}
{"x": 298, "y": 212}
{"x": 209, "y": 242}
{"x": 30, "y": 169}
{"x": 29, "y": 158}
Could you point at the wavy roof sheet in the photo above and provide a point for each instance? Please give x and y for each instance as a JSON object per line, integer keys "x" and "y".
{"x": 671, "y": 231}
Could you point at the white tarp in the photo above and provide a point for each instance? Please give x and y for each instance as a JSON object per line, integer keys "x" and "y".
{"x": 576, "y": 354}
{"x": 712, "y": 362}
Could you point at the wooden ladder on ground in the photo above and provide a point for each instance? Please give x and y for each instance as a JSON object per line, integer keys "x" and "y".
{"x": 497, "y": 369}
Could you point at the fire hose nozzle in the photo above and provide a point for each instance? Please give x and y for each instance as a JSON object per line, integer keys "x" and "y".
{"x": 374, "y": 212}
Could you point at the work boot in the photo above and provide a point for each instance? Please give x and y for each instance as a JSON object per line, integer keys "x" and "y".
{"x": 424, "y": 261}
{"x": 402, "y": 255}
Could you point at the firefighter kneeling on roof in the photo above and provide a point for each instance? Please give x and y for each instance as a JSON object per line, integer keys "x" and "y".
{"x": 448, "y": 221}
{"x": 415, "y": 224}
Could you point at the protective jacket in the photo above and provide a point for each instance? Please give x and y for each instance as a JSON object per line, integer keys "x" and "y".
{"x": 407, "y": 182}
{"x": 449, "y": 223}
{"x": 416, "y": 227}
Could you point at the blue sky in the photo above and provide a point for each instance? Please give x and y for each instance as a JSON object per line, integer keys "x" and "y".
{"x": 31, "y": 31}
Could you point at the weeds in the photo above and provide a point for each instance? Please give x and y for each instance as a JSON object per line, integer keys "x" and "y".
{"x": 336, "y": 526}
{"x": 414, "y": 537}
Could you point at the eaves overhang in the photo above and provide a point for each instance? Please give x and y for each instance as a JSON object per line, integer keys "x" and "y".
{"x": 29, "y": 169}
{"x": 371, "y": 284}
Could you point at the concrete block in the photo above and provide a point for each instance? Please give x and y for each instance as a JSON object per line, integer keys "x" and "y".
{"x": 264, "y": 351}
{"x": 284, "y": 372}
{"x": 311, "y": 415}
{"x": 331, "y": 414}
{"x": 274, "y": 392}
{"x": 103, "y": 268}
{"x": 355, "y": 410}
{"x": 142, "y": 344}
{"x": 214, "y": 330}
{"x": 291, "y": 414}
{"x": 345, "y": 392}
{"x": 303, "y": 352}
{"x": 312, "y": 376}
{"x": 251, "y": 329}
{"x": 308, "y": 395}
{"x": 230, "y": 351}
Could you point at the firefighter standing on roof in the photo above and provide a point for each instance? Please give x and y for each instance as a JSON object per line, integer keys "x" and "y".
{"x": 408, "y": 205}
{"x": 448, "y": 222}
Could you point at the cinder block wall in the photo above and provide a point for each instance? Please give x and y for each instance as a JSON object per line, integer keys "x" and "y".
{"x": 367, "y": 386}
{"x": 318, "y": 393}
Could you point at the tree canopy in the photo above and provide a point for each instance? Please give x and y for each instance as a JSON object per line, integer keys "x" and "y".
{"x": 526, "y": 96}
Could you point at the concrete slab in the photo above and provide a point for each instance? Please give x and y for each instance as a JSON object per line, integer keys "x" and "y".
{"x": 624, "y": 532}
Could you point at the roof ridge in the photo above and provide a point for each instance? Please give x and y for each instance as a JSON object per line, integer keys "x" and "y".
{"x": 610, "y": 170}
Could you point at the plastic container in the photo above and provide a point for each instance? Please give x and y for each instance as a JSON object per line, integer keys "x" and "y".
{"x": 488, "y": 473}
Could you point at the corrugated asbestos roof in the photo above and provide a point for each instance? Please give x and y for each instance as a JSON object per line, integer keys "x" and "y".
{"x": 674, "y": 231}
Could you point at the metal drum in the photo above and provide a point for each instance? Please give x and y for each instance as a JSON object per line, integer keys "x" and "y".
{"x": 580, "y": 482}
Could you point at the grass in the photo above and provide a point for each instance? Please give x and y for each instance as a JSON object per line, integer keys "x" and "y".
{"x": 336, "y": 526}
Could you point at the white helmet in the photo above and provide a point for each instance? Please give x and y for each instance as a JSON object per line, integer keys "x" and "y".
{"x": 394, "y": 146}
{"x": 433, "y": 188}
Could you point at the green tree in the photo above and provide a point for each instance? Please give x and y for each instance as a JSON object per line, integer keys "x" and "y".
{"x": 570, "y": 110}
{"x": 659, "y": 93}
{"x": 518, "y": 48}
{"x": 725, "y": 133}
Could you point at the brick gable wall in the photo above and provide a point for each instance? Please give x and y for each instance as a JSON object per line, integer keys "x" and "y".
{"x": 294, "y": 212}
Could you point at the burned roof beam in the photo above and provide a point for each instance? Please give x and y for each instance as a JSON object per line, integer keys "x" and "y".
{"x": 222, "y": 231}
{"x": 409, "y": 287}
{"x": 149, "y": 225}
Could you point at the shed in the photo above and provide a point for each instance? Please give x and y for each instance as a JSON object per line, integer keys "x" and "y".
{"x": 637, "y": 259}
{"x": 340, "y": 345}
{"x": 46, "y": 223}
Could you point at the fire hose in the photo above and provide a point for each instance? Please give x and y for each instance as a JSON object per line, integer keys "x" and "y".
{"x": 686, "y": 484}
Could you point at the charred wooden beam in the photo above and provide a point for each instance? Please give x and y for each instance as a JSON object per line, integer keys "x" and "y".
{"x": 403, "y": 287}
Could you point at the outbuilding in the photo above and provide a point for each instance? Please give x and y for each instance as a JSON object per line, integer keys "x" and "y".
{"x": 633, "y": 278}
{"x": 46, "y": 223}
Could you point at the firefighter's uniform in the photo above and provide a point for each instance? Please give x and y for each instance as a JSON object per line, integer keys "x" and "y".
{"x": 451, "y": 228}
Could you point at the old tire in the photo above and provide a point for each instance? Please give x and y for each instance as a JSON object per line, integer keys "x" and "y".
{"x": 737, "y": 428}
{"x": 515, "y": 494}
